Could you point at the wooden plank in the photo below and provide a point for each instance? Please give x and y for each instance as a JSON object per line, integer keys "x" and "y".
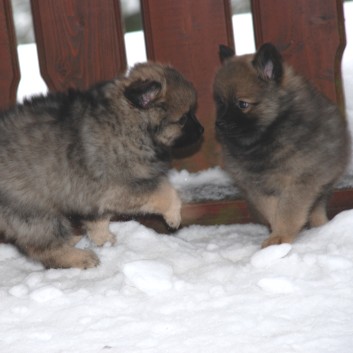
{"x": 9, "y": 67}
{"x": 233, "y": 212}
{"x": 187, "y": 34}
{"x": 237, "y": 211}
{"x": 221, "y": 212}
{"x": 310, "y": 35}
{"x": 79, "y": 42}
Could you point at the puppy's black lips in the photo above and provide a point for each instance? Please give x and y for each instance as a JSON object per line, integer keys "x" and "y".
{"x": 183, "y": 152}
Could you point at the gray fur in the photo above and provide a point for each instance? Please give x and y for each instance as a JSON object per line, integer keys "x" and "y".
{"x": 284, "y": 143}
{"x": 90, "y": 154}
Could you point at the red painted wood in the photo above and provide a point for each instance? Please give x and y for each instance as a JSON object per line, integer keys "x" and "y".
{"x": 79, "y": 42}
{"x": 237, "y": 211}
{"x": 310, "y": 35}
{"x": 231, "y": 212}
{"x": 187, "y": 34}
{"x": 9, "y": 67}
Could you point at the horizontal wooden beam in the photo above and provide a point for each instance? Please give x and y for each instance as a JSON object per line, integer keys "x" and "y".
{"x": 232, "y": 212}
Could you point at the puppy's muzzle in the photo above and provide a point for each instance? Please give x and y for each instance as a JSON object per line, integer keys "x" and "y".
{"x": 191, "y": 132}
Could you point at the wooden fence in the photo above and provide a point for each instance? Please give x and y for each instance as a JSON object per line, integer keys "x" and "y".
{"x": 80, "y": 42}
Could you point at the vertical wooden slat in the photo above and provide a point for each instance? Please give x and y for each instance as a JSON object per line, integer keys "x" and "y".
{"x": 187, "y": 34}
{"x": 310, "y": 35}
{"x": 79, "y": 42}
{"x": 9, "y": 67}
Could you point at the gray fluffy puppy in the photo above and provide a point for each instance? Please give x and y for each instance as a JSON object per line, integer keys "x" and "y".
{"x": 92, "y": 154}
{"x": 284, "y": 143}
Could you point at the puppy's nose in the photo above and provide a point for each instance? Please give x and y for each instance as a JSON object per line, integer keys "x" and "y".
{"x": 198, "y": 124}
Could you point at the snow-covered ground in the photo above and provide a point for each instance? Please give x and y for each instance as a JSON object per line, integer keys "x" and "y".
{"x": 204, "y": 289}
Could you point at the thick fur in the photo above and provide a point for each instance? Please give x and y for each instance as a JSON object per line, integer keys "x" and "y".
{"x": 284, "y": 143}
{"x": 92, "y": 154}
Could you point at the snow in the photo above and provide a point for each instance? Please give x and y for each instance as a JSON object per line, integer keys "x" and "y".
{"x": 206, "y": 289}
{"x": 211, "y": 184}
{"x": 279, "y": 285}
{"x": 149, "y": 276}
{"x": 270, "y": 255}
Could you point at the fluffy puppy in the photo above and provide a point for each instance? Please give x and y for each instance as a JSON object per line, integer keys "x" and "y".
{"x": 92, "y": 154}
{"x": 284, "y": 143}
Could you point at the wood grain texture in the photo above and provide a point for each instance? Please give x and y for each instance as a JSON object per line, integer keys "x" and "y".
{"x": 187, "y": 34}
{"x": 230, "y": 212}
{"x": 310, "y": 35}
{"x": 9, "y": 67}
{"x": 79, "y": 42}
{"x": 237, "y": 211}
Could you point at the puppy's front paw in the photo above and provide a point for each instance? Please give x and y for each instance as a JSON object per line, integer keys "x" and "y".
{"x": 165, "y": 201}
{"x": 173, "y": 220}
{"x": 173, "y": 215}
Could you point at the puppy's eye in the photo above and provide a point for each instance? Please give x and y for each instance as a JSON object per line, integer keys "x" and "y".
{"x": 182, "y": 120}
{"x": 243, "y": 105}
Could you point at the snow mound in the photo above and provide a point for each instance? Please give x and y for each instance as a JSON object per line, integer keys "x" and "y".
{"x": 151, "y": 277}
{"x": 46, "y": 293}
{"x": 268, "y": 256}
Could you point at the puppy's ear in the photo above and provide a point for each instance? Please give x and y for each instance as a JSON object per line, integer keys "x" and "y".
{"x": 225, "y": 53}
{"x": 268, "y": 63}
{"x": 142, "y": 93}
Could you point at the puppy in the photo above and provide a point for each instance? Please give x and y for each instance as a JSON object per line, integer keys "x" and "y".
{"x": 284, "y": 143}
{"x": 92, "y": 154}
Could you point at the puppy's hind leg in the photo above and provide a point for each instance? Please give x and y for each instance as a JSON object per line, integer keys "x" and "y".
{"x": 291, "y": 215}
{"x": 63, "y": 256}
{"x": 46, "y": 238}
{"x": 318, "y": 214}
